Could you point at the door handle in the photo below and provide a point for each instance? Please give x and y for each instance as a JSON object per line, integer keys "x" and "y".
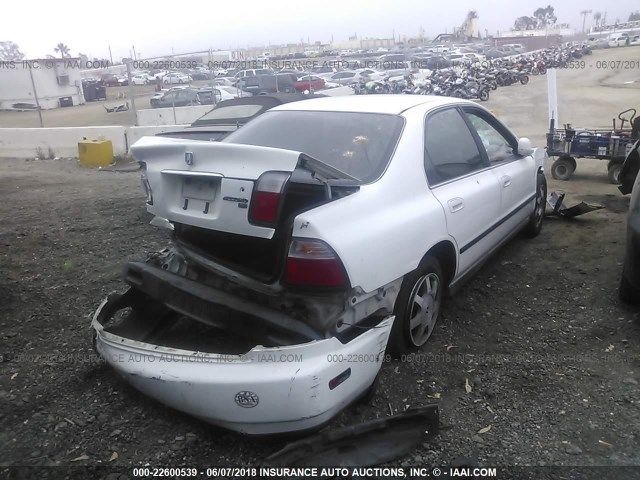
{"x": 456, "y": 204}
{"x": 505, "y": 180}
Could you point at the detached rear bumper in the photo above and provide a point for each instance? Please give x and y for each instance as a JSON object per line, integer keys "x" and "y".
{"x": 266, "y": 390}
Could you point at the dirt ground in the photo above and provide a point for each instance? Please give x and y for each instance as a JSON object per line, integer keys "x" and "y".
{"x": 550, "y": 354}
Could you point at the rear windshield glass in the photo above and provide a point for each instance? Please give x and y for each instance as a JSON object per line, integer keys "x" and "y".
{"x": 360, "y": 144}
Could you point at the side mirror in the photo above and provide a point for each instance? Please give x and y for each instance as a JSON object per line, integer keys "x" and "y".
{"x": 524, "y": 147}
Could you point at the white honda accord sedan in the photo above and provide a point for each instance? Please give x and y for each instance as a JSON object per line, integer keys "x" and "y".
{"x": 305, "y": 245}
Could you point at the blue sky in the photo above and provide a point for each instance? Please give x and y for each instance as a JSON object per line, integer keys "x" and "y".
{"x": 157, "y": 28}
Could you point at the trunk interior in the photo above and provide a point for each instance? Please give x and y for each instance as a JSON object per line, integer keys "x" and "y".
{"x": 257, "y": 257}
{"x": 151, "y": 324}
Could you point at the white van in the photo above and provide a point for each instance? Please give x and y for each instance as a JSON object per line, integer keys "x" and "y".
{"x": 618, "y": 41}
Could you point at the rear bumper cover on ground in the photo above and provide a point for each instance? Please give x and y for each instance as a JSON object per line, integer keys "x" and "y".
{"x": 266, "y": 390}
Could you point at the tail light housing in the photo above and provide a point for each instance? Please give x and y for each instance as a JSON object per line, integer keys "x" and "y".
{"x": 313, "y": 263}
{"x": 266, "y": 200}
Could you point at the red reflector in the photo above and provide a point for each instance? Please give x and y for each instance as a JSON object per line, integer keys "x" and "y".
{"x": 267, "y": 194}
{"x": 321, "y": 273}
{"x": 334, "y": 382}
{"x": 314, "y": 263}
{"x": 264, "y": 207}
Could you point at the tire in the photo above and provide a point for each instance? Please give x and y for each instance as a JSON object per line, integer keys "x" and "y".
{"x": 537, "y": 216}
{"x": 535, "y": 71}
{"x": 627, "y": 292}
{"x": 484, "y": 95}
{"x": 493, "y": 85}
{"x": 613, "y": 172}
{"x": 524, "y": 79}
{"x": 543, "y": 71}
{"x": 420, "y": 283}
{"x": 563, "y": 168}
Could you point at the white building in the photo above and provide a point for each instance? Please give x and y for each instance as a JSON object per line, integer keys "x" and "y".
{"x": 57, "y": 82}
{"x": 541, "y": 32}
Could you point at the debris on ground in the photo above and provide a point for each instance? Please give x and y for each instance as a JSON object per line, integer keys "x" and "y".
{"x": 365, "y": 444}
{"x": 561, "y": 210}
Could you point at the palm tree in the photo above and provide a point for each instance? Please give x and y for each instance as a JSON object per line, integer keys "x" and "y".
{"x": 62, "y": 49}
{"x": 596, "y": 17}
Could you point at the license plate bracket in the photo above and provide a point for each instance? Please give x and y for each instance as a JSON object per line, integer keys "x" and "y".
{"x": 199, "y": 188}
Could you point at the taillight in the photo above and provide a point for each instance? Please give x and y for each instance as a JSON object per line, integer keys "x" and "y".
{"x": 267, "y": 198}
{"x": 313, "y": 263}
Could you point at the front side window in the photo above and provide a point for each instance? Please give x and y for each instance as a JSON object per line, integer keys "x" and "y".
{"x": 497, "y": 146}
{"x": 450, "y": 150}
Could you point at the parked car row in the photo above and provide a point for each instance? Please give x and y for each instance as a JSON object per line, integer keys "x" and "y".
{"x": 187, "y": 96}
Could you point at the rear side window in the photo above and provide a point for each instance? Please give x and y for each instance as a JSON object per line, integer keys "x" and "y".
{"x": 450, "y": 149}
{"x": 360, "y": 144}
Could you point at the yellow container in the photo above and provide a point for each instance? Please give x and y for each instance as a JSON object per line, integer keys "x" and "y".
{"x": 95, "y": 153}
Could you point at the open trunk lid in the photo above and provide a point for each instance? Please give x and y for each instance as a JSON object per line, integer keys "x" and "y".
{"x": 210, "y": 185}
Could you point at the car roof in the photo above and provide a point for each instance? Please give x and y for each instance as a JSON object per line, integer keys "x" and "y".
{"x": 391, "y": 104}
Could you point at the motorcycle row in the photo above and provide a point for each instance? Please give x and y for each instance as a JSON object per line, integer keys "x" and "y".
{"x": 475, "y": 81}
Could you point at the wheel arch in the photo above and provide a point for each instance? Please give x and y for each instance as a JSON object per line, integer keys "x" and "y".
{"x": 446, "y": 254}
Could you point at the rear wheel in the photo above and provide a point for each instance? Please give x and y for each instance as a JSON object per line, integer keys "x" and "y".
{"x": 417, "y": 307}
{"x": 524, "y": 79}
{"x": 613, "y": 172}
{"x": 563, "y": 168}
{"x": 484, "y": 95}
{"x": 537, "y": 216}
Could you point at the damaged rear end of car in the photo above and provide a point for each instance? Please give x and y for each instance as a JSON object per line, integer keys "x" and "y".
{"x": 244, "y": 321}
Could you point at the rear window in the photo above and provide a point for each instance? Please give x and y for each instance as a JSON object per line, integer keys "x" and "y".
{"x": 360, "y": 144}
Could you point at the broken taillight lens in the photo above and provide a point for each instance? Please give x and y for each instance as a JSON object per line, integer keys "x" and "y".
{"x": 267, "y": 198}
{"x": 313, "y": 263}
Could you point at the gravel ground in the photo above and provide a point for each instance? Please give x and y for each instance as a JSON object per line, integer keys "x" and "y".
{"x": 550, "y": 355}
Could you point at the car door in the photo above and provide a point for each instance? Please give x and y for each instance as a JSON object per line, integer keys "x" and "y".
{"x": 515, "y": 174}
{"x": 463, "y": 183}
{"x": 168, "y": 99}
{"x": 185, "y": 97}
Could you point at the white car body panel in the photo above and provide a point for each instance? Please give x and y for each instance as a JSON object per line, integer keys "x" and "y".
{"x": 289, "y": 385}
{"x": 241, "y": 164}
{"x": 425, "y": 210}
{"x": 380, "y": 232}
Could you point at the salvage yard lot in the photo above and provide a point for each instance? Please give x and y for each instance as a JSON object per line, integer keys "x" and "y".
{"x": 550, "y": 355}
{"x": 579, "y": 95}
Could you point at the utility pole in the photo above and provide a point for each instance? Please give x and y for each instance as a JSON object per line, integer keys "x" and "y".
{"x": 110, "y": 56}
{"x": 134, "y": 52}
{"x": 132, "y": 96}
{"x": 584, "y": 14}
{"x": 35, "y": 95}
